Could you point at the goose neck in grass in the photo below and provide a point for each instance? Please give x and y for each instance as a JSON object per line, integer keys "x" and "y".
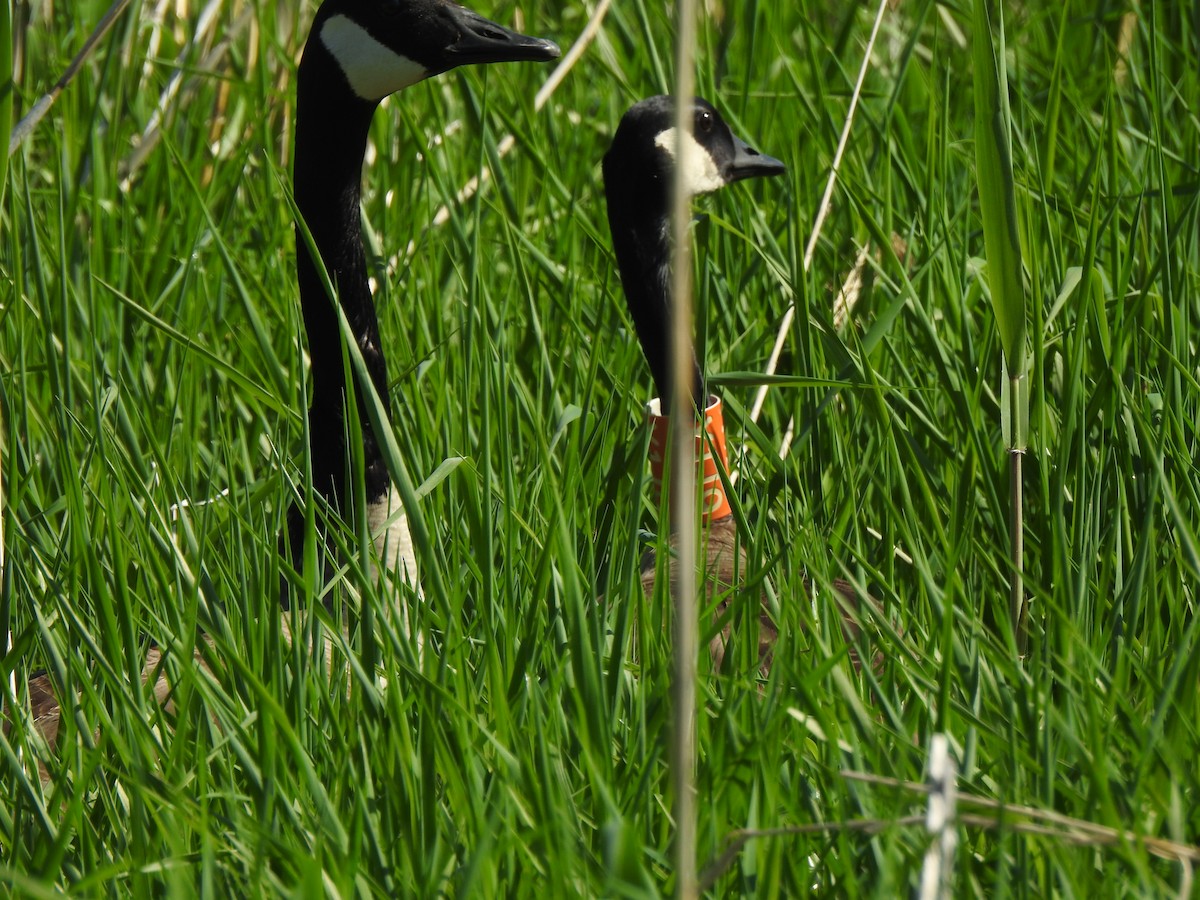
{"x": 712, "y": 456}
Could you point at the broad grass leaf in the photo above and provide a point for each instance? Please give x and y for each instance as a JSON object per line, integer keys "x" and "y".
{"x": 6, "y": 88}
{"x": 997, "y": 200}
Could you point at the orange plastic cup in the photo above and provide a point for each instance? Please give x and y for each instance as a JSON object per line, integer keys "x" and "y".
{"x": 711, "y": 455}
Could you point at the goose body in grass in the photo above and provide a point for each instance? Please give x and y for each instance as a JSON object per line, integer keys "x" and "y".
{"x": 357, "y": 53}
{"x": 638, "y": 179}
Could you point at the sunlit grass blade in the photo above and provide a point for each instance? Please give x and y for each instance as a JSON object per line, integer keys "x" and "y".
{"x": 6, "y": 92}
{"x": 998, "y": 209}
{"x": 997, "y": 196}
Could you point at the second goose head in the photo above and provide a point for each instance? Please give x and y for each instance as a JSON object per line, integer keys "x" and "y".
{"x": 638, "y": 177}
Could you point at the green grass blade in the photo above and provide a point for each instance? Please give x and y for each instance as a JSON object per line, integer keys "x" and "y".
{"x": 997, "y": 197}
{"x": 6, "y": 90}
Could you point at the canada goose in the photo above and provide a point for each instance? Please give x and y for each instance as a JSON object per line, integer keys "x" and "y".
{"x": 638, "y": 170}
{"x": 357, "y": 53}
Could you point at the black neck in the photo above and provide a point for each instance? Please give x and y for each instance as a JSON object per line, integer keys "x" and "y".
{"x": 331, "y": 138}
{"x": 641, "y": 232}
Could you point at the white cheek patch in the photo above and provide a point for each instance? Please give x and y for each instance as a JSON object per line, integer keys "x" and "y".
{"x": 700, "y": 173}
{"x": 373, "y": 70}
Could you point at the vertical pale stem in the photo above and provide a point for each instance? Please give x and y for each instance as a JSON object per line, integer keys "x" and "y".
{"x": 1016, "y": 520}
{"x": 683, "y": 487}
{"x": 12, "y": 676}
{"x": 6, "y": 646}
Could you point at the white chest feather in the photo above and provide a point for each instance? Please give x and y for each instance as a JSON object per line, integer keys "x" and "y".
{"x": 373, "y": 70}
{"x": 389, "y": 530}
{"x": 700, "y": 172}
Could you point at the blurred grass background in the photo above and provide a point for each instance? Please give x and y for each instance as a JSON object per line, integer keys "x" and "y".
{"x": 143, "y": 371}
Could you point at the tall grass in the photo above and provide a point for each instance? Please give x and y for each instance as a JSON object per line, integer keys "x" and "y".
{"x": 6, "y": 86}
{"x": 150, "y": 358}
{"x": 998, "y": 209}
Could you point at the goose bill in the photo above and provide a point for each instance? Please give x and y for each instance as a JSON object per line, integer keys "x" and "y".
{"x": 749, "y": 163}
{"x": 483, "y": 41}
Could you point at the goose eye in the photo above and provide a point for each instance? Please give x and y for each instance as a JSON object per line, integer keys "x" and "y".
{"x": 704, "y": 122}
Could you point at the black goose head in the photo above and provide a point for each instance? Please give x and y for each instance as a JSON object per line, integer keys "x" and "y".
{"x": 383, "y": 46}
{"x": 360, "y": 51}
{"x": 638, "y": 177}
